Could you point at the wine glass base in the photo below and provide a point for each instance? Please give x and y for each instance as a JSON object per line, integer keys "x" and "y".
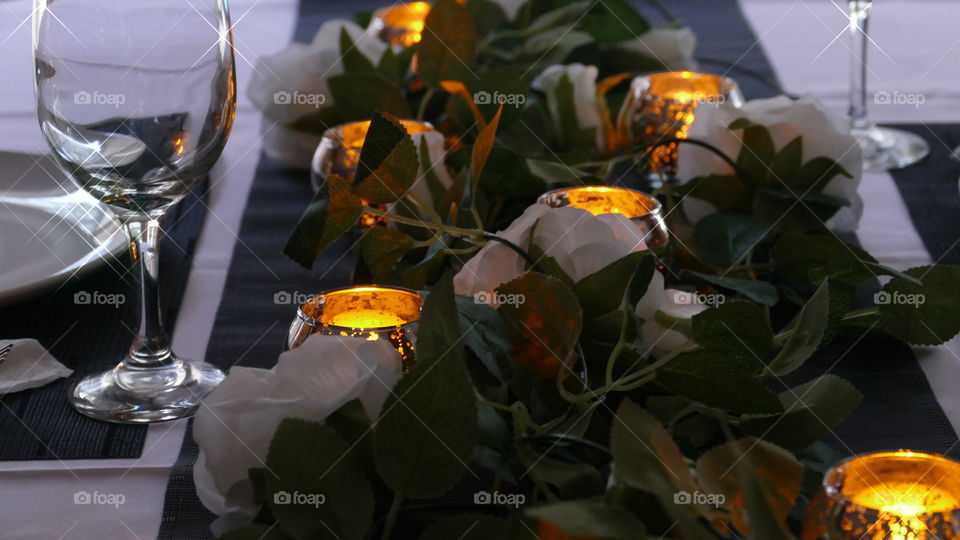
{"x": 128, "y": 395}
{"x": 887, "y": 148}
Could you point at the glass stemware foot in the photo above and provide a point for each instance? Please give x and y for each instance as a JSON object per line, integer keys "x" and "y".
{"x": 888, "y": 148}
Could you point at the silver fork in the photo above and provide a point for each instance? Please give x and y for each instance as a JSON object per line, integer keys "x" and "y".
{"x": 4, "y": 352}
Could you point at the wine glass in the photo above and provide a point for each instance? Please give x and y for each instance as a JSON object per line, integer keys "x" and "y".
{"x": 136, "y": 99}
{"x": 883, "y": 148}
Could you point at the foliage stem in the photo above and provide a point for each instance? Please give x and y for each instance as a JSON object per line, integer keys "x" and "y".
{"x": 392, "y": 516}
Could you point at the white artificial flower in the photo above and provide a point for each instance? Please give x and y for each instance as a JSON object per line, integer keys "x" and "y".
{"x": 239, "y": 418}
{"x": 824, "y": 135}
{"x": 584, "y": 81}
{"x": 580, "y": 242}
{"x": 293, "y": 83}
{"x": 673, "y": 47}
{"x": 658, "y": 339}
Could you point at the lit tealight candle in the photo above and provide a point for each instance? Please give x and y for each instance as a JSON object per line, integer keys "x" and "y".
{"x": 891, "y": 496}
{"x": 401, "y": 24}
{"x": 639, "y": 207}
{"x": 663, "y": 106}
{"x": 369, "y": 312}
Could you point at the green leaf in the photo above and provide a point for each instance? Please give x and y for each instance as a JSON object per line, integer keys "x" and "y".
{"x": 573, "y": 480}
{"x": 785, "y": 210}
{"x": 383, "y": 135}
{"x": 761, "y": 292}
{"x": 603, "y": 291}
{"x": 467, "y": 527}
{"x": 787, "y": 162}
{"x": 428, "y": 426}
{"x": 449, "y": 44}
{"x": 760, "y": 483}
{"x": 816, "y": 174}
{"x": 808, "y": 257}
{"x": 725, "y": 192}
{"x": 718, "y": 380}
{"x": 811, "y": 410}
{"x": 590, "y": 519}
{"x": 506, "y": 174}
{"x": 571, "y": 135}
{"x": 381, "y": 248}
{"x": 354, "y": 61}
{"x": 646, "y": 458}
{"x": 393, "y": 177}
{"x": 483, "y": 146}
{"x": 924, "y": 314}
{"x": 333, "y": 211}
{"x": 612, "y": 21}
{"x": 311, "y": 473}
{"x": 723, "y": 239}
{"x": 352, "y": 424}
{"x": 486, "y": 336}
{"x": 808, "y": 331}
{"x": 544, "y": 327}
{"x": 359, "y": 96}
{"x": 757, "y": 154}
{"x": 738, "y": 328}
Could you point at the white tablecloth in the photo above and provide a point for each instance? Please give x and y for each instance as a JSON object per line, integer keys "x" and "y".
{"x": 805, "y": 42}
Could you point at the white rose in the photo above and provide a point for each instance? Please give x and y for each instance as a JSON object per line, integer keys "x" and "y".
{"x": 302, "y": 69}
{"x": 238, "y": 419}
{"x": 578, "y": 241}
{"x": 673, "y": 47}
{"x": 659, "y": 340}
{"x": 584, "y": 81}
{"x": 824, "y": 135}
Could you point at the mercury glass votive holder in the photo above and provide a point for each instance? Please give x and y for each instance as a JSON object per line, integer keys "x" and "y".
{"x": 642, "y": 209}
{"x": 662, "y": 106}
{"x": 889, "y": 495}
{"x": 401, "y": 24}
{"x": 371, "y": 312}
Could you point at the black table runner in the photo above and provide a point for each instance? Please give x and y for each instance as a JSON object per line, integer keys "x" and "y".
{"x": 39, "y": 423}
{"x": 250, "y": 327}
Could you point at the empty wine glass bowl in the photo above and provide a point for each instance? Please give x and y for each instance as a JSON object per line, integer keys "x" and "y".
{"x": 136, "y": 99}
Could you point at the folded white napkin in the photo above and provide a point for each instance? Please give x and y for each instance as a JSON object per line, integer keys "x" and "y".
{"x": 28, "y": 365}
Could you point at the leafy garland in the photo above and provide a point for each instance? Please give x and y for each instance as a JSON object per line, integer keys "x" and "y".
{"x": 490, "y": 388}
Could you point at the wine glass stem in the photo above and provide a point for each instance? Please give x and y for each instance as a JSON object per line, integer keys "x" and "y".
{"x": 859, "y": 17}
{"x": 151, "y": 348}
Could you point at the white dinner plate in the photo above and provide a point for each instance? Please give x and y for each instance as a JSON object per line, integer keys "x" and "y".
{"x": 50, "y": 230}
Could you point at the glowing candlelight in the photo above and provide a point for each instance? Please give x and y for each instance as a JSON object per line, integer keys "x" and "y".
{"x": 664, "y": 105}
{"x": 639, "y": 207}
{"x": 401, "y": 24}
{"x": 891, "y": 495}
{"x": 370, "y": 312}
